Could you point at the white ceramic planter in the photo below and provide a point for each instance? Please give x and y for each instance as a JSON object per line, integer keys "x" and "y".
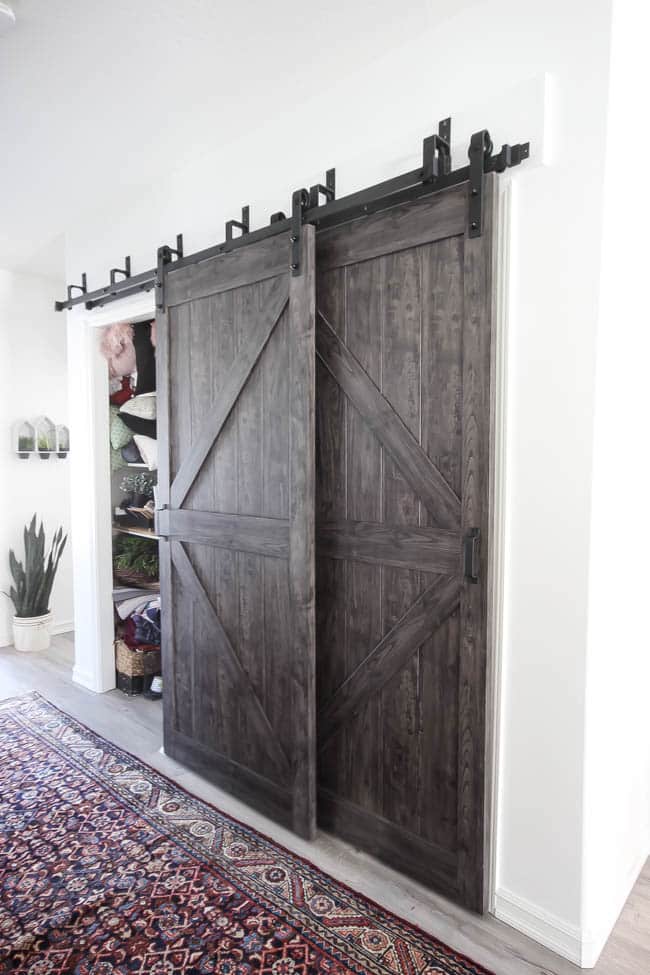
{"x": 32, "y": 633}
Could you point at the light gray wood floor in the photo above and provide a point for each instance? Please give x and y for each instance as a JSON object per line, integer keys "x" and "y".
{"x": 136, "y": 724}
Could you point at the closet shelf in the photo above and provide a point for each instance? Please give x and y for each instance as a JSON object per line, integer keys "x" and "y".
{"x": 125, "y": 592}
{"x": 139, "y": 532}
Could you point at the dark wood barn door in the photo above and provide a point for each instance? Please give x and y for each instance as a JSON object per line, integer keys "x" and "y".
{"x": 236, "y": 383}
{"x": 403, "y": 427}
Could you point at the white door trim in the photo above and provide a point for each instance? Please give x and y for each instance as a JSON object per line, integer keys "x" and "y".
{"x": 90, "y": 480}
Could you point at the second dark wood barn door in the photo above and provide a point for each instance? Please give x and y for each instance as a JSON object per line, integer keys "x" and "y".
{"x": 236, "y": 428}
{"x": 403, "y": 347}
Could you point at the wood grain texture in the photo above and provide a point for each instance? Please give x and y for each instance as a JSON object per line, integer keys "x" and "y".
{"x": 228, "y": 395}
{"x": 401, "y": 739}
{"x": 230, "y": 658}
{"x": 361, "y": 757}
{"x": 247, "y": 265}
{"x": 257, "y": 790}
{"x": 240, "y": 533}
{"x": 387, "y": 426}
{"x": 429, "y": 549}
{"x": 475, "y": 472}
{"x": 401, "y": 704}
{"x": 240, "y": 524}
{"x": 390, "y": 231}
{"x": 441, "y": 267}
{"x": 406, "y": 852}
{"x": 302, "y": 582}
{"x": 390, "y": 655}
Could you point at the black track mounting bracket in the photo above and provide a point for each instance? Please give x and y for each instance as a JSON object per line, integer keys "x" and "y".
{"x": 244, "y": 224}
{"x": 299, "y": 203}
{"x": 436, "y": 153}
{"x": 328, "y": 190}
{"x": 482, "y": 161}
{"x": 83, "y": 287}
{"x": 124, "y": 271}
{"x": 165, "y": 256}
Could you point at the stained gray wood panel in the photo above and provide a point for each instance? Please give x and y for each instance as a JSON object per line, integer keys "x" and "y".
{"x": 236, "y": 365}
{"x": 403, "y": 332}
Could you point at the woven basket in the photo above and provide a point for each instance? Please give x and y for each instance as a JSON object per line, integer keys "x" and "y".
{"x": 136, "y": 663}
{"x": 135, "y": 580}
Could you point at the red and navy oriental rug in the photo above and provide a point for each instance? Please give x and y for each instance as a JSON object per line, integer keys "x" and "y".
{"x": 108, "y": 867}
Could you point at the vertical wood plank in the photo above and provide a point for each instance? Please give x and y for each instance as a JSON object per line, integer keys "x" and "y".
{"x": 442, "y": 350}
{"x": 199, "y": 354}
{"x": 363, "y": 763}
{"x": 247, "y": 417}
{"x": 302, "y": 364}
{"x": 223, "y": 461}
{"x": 275, "y": 503}
{"x": 400, "y": 383}
{"x": 180, "y": 415}
{"x": 331, "y": 505}
{"x": 477, "y": 328}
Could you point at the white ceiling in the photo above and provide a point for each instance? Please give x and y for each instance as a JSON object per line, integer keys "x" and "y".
{"x": 97, "y": 98}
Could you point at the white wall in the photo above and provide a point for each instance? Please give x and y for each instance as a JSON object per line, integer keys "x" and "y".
{"x": 617, "y": 778}
{"x": 486, "y": 66}
{"x": 33, "y": 381}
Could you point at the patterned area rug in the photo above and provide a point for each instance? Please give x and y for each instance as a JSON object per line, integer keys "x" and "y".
{"x": 108, "y": 867}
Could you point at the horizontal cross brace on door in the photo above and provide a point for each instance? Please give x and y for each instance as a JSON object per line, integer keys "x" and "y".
{"x": 435, "y": 174}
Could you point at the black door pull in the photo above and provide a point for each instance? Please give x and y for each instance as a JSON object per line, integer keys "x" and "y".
{"x": 471, "y": 546}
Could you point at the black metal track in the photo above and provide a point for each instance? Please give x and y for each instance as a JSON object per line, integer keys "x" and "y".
{"x": 433, "y": 176}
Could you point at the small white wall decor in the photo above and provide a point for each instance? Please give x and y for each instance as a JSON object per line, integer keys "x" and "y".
{"x": 42, "y": 437}
{"x": 24, "y": 439}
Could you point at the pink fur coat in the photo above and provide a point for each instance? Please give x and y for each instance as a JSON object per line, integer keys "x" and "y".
{"x": 117, "y": 347}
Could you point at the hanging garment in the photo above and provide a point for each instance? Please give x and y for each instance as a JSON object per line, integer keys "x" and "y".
{"x": 132, "y": 605}
{"x": 145, "y": 359}
{"x": 116, "y": 345}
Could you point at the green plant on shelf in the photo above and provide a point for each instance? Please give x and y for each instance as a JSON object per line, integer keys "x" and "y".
{"x": 137, "y": 554}
{"x": 25, "y": 444}
{"x": 140, "y": 483}
{"x": 43, "y": 443}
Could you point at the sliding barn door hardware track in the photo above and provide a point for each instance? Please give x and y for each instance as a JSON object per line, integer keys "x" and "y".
{"x": 328, "y": 191}
{"x": 320, "y": 207}
{"x": 124, "y": 271}
{"x": 165, "y": 257}
{"x": 83, "y": 288}
{"x": 299, "y": 204}
{"x": 243, "y": 224}
{"x": 436, "y": 153}
{"x": 481, "y": 161}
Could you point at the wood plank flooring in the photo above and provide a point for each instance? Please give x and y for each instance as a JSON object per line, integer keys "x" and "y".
{"x": 135, "y": 724}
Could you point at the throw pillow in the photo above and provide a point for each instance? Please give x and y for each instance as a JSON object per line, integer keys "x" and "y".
{"x": 120, "y": 433}
{"x": 148, "y": 447}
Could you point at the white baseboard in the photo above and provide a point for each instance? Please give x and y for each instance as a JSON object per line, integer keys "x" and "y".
{"x": 542, "y": 926}
{"x": 62, "y": 626}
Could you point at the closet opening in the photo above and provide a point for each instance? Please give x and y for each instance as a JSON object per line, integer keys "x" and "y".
{"x": 129, "y": 351}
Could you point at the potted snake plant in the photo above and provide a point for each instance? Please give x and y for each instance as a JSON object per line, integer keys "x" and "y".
{"x": 32, "y": 587}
